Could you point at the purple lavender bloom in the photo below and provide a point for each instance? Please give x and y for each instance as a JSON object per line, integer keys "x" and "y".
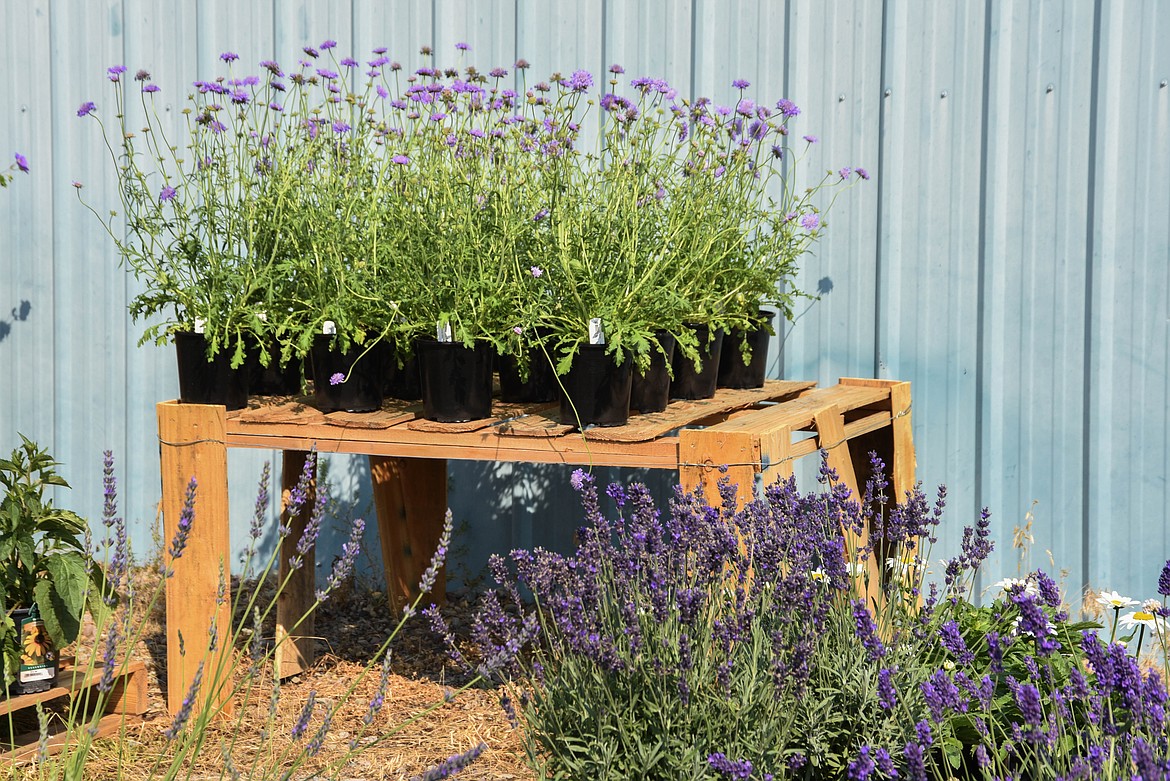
{"x": 953, "y": 641}
{"x": 540, "y": 215}
{"x": 886, "y": 692}
{"x": 427, "y": 581}
{"x": 867, "y": 631}
{"x": 455, "y": 763}
{"x": 861, "y": 768}
{"x": 302, "y": 722}
{"x": 184, "y": 713}
{"x": 727, "y": 768}
{"x": 86, "y": 109}
{"x": 915, "y": 761}
{"x": 1164, "y": 581}
{"x": 167, "y": 194}
{"x": 186, "y": 518}
{"x": 229, "y": 56}
{"x": 21, "y": 162}
{"x": 344, "y": 564}
{"x": 260, "y": 511}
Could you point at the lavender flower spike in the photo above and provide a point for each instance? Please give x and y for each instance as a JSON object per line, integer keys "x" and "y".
{"x": 298, "y": 730}
{"x": 452, "y": 765}
{"x": 428, "y": 579}
{"x": 186, "y": 518}
{"x": 261, "y": 510}
{"x": 344, "y": 564}
{"x": 184, "y": 713}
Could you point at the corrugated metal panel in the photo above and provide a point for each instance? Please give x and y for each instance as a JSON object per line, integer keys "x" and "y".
{"x": 1129, "y": 437}
{"x": 1034, "y": 269}
{"x": 1010, "y": 257}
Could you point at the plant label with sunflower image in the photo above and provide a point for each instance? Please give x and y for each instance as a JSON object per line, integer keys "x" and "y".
{"x": 37, "y": 655}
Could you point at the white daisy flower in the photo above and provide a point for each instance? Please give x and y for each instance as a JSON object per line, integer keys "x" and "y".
{"x": 1114, "y": 600}
{"x": 1140, "y": 617}
{"x": 818, "y": 575}
{"x": 1014, "y": 585}
{"x": 855, "y": 569}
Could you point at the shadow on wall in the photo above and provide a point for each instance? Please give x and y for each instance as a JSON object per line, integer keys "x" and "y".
{"x": 19, "y": 315}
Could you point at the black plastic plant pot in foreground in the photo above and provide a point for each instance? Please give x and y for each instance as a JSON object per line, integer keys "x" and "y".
{"x": 597, "y": 389}
{"x": 689, "y": 383}
{"x": 209, "y": 382}
{"x": 350, "y": 381}
{"x": 456, "y": 380}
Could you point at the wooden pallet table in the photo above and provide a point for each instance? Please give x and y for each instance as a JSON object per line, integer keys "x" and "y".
{"x": 755, "y": 433}
{"x": 125, "y": 704}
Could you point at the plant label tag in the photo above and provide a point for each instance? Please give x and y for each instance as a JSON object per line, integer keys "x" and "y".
{"x": 200, "y": 325}
{"x": 443, "y": 332}
{"x": 37, "y": 656}
{"x": 329, "y": 328}
{"x": 262, "y": 316}
{"x": 596, "y": 332}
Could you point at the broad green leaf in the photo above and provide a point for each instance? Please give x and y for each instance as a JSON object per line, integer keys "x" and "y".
{"x": 61, "y": 597}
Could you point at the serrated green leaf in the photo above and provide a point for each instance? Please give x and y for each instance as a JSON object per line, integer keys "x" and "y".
{"x": 61, "y": 597}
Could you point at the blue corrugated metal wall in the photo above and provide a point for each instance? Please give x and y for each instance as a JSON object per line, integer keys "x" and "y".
{"x": 1009, "y": 258}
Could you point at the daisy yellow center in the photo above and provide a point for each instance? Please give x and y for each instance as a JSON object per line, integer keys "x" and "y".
{"x": 1143, "y": 616}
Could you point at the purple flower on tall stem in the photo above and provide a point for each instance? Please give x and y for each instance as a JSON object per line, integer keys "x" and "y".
{"x": 184, "y": 713}
{"x": 115, "y": 72}
{"x": 498, "y": 73}
{"x": 580, "y": 81}
{"x": 344, "y": 564}
{"x": 463, "y": 47}
{"x": 741, "y": 84}
{"x": 427, "y": 581}
{"x": 867, "y": 631}
{"x": 86, "y": 109}
{"x": 452, "y": 764}
{"x": 186, "y": 518}
{"x": 302, "y": 722}
{"x": 326, "y": 74}
{"x": 167, "y": 194}
{"x": 864, "y": 174}
{"x": 150, "y": 88}
{"x": 401, "y": 160}
{"x": 340, "y": 127}
{"x": 536, "y": 271}
{"x": 616, "y": 69}
{"x": 349, "y": 62}
{"x": 310, "y": 51}
{"x": 787, "y": 108}
{"x": 811, "y": 139}
{"x": 21, "y": 162}
{"x": 260, "y": 511}
{"x": 336, "y": 378}
{"x": 810, "y": 221}
{"x": 229, "y": 56}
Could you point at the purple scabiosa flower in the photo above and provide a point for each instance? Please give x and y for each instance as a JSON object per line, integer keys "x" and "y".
{"x": 150, "y": 88}
{"x": 229, "y": 56}
{"x": 463, "y": 47}
{"x": 328, "y": 44}
{"x": 184, "y": 713}
{"x": 115, "y": 72}
{"x": 142, "y": 75}
{"x": 310, "y": 51}
{"x": 787, "y": 108}
{"x": 340, "y": 127}
{"x": 382, "y": 92}
{"x": 536, "y": 271}
{"x": 746, "y": 108}
{"x": 811, "y": 139}
{"x": 542, "y": 86}
{"x": 777, "y": 152}
{"x": 276, "y": 85}
{"x": 864, "y": 174}
{"x": 498, "y": 73}
{"x": 239, "y": 97}
{"x": 400, "y": 160}
{"x": 438, "y": 116}
{"x": 21, "y": 162}
{"x": 275, "y": 106}
{"x": 349, "y": 62}
{"x": 476, "y": 132}
{"x": 741, "y": 84}
{"x": 327, "y": 74}
{"x": 580, "y": 81}
{"x": 167, "y": 194}
{"x": 517, "y": 330}
{"x": 86, "y": 109}
{"x": 540, "y": 215}
{"x": 845, "y": 172}
{"x": 810, "y": 221}
{"x": 452, "y": 764}
{"x": 616, "y": 69}
{"x": 521, "y": 64}
{"x": 272, "y": 67}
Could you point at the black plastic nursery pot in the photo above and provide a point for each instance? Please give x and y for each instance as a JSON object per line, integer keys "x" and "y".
{"x": 733, "y": 372}
{"x": 274, "y": 379}
{"x": 400, "y": 382}
{"x": 541, "y": 384}
{"x": 689, "y": 383}
{"x": 209, "y": 382}
{"x": 350, "y": 381}
{"x": 456, "y": 380}
{"x": 38, "y": 658}
{"x": 597, "y": 389}
{"x": 651, "y": 389}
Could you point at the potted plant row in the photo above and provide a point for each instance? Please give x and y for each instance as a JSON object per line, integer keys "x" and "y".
{"x": 351, "y": 214}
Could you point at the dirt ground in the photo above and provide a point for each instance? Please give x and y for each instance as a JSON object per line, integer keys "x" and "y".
{"x": 350, "y": 627}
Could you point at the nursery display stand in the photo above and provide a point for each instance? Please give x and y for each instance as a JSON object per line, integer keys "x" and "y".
{"x": 755, "y": 434}
{"x": 125, "y": 704}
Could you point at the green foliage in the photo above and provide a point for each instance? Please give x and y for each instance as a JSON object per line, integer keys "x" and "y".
{"x": 42, "y": 553}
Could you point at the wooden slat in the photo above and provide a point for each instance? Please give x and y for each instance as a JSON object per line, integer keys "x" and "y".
{"x": 411, "y": 497}
{"x": 295, "y": 646}
{"x": 798, "y": 413}
{"x": 71, "y": 680}
{"x": 26, "y": 750}
{"x": 192, "y": 441}
{"x": 703, "y": 451}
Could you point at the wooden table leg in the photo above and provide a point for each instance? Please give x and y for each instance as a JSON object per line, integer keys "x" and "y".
{"x": 295, "y": 649}
{"x": 192, "y": 444}
{"x": 703, "y": 451}
{"x": 411, "y": 497}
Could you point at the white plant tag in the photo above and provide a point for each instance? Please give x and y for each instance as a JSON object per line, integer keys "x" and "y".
{"x": 443, "y": 332}
{"x": 200, "y": 325}
{"x": 329, "y": 328}
{"x": 262, "y": 316}
{"x": 596, "y": 332}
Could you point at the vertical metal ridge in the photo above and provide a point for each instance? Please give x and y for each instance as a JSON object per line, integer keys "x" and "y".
{"x": 783, "y": 326}
{"x": 1090, "y": 239}
{"x": 694, "y": 46}
{"x": 877, "y": 257}
{"x": 981, "y": 278}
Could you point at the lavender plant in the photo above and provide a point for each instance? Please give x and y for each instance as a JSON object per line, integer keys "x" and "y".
{"x": 240, "y": 675}
{"x": 711, "y": 642}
